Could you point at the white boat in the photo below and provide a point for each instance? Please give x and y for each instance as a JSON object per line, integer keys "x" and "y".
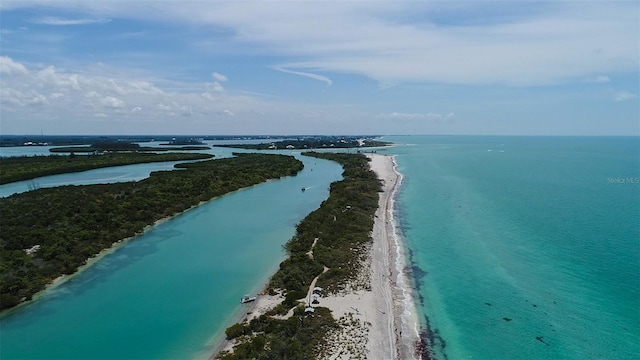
{"x": 245, "y": 299}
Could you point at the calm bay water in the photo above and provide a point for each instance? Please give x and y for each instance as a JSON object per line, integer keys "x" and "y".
{"x": 530, "y": 246}
{"x": 96, "y": 176}
{"x": 169, "y": 292}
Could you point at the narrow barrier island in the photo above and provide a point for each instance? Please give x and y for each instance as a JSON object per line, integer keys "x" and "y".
{"x": 51, "y": 232}
{"x": 329, "y": 250}
{"x": 30, "y": 167}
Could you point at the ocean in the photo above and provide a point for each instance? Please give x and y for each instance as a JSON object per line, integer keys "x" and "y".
{"x": 523, "y": 247}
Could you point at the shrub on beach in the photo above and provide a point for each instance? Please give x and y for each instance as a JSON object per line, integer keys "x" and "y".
{"x": 236, "y": 330}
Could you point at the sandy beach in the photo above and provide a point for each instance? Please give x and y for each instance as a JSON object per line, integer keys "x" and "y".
{"x": 378, "y": 321}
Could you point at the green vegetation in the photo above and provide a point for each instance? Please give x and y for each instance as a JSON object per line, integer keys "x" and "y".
{"x": 121, "y": 147}
{"x": 342, "y": 225}
{"x": 30, "y": 167}
{"x": 298, "y": 337}
{"x": 68, "y": 140}
{"x": 50, "y": 232}
{"x": 312, "y": 143}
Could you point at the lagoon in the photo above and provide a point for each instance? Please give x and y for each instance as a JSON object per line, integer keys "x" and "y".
{"x": 170, "y": 292}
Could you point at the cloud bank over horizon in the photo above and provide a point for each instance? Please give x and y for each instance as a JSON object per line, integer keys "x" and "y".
{"x": 379, "y": 67}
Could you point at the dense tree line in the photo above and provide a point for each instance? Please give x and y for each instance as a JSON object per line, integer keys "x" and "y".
{"x": 30, "y": 167}
{"x": 125, "y": 149}
{"x": 343, "y": 225}
{"x": 67, "y": 140}
{"x": 62, "y": 227}
{"x": 266, "y": 338}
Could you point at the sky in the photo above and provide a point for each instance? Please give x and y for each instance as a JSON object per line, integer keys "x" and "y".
{"x": 311, "y": 67}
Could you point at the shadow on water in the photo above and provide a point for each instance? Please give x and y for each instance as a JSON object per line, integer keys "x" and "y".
{"x": 130, "y": 253}
{"x": 430, "y": 344}
{"x": 95, "y": 274}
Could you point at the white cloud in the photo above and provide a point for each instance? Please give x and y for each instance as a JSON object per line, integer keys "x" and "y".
{"x": 417, "y": 116}
{"x": 623, "y": 96}
{"x": 163, "y": 107}
{"x": 305, "y": 74}
{"x": 37, "y": 99}
{"x": 207, "y": 96}
{"x": 558, "y": 43}
{"x": 218, "y": 77}
{"x": 10, "y": 97}
{"x": 599, "y": 79}
{"x": 186, "y": 111}
{"x": 10, "y": 67}
{"x": 51, "y": 77}
{"x": 45, "y": 92}
{"x": 141, "y": 87}
{"x": 215, "y": 86}
{"x": 9, "y": 31}
{"x": 112, "y": 102}
{"x": 441, "y": 42}
{"x": 28, "y": 97}
{"x": 56, "y": 21}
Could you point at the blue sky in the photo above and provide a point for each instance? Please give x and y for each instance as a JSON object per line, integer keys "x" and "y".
{"x": 332, "y": 67}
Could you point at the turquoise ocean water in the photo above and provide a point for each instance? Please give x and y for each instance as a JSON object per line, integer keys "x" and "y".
{"x": 170, "y": 292}
{"x": 524, "y": 247}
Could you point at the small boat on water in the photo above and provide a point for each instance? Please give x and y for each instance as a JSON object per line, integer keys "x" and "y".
{"x": 245, "y": 299}
{"x": 304, "y": 189}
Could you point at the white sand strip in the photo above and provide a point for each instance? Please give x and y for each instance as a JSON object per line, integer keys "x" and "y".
{"x": 380, "y": 323}
{"x": 390, "y": 285}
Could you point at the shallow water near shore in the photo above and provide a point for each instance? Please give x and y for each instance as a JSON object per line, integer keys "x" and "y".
{"x": 169, "y": 292}
{"x": 524, "y": 247}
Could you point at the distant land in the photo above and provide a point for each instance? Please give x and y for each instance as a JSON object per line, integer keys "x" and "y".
{"x": 119, "y": 146}
{"x": 69, "y": 140}
{"x": 313, "y": 142}
{"x": 19, "y": 168}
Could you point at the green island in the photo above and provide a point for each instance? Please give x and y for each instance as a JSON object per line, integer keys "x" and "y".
{"x": 30, "y": 167}
{"x": 342, "y": 224}
{"x": 124, "y": 146}
{"x": 51, "y": 232}
{"x": 324, "y": 142}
